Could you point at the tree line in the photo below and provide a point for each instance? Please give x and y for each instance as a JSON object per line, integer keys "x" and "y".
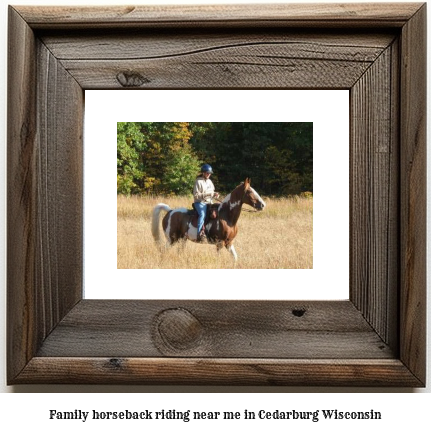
{"x": 164, "y": 158}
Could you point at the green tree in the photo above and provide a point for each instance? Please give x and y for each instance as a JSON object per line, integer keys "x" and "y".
{"x": 277, "y": 156}
{"x": 164, "y": 157}
{"x": 180, "y": 173}
{"x": 131, "y": 144}
{"x": 155, "y": 157}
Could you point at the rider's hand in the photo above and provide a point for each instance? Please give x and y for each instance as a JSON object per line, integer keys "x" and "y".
{"x": 216, "y": 195}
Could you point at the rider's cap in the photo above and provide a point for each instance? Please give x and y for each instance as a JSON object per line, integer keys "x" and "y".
{"x": 206, "y": 168}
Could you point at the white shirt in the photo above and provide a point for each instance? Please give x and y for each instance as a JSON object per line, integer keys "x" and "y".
{"x": 203, "y": 190}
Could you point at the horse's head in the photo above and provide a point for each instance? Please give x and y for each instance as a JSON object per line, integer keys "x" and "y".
{"x": 251, "y": 197}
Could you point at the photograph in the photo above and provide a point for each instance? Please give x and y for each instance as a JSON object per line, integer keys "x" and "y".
{"x": 290, "y": 158}
{"x": 215, "y": 195}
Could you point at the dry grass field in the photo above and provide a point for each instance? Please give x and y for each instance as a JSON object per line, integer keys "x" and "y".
{"x": 280, "y": 237}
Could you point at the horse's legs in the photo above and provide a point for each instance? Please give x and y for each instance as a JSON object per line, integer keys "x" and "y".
{"x": 229, "y": 247}
{"x": 170, "y": 241}
{"x": 232, "y": 250}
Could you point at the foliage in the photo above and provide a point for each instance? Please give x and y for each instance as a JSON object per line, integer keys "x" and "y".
{"x": 130, "y": 146}
{"x": 277, "y": 156}
{"x": 155, "y": 158}
{"x": 165, "y": 157}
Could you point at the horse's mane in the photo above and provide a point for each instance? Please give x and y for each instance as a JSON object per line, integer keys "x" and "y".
{"x": 238, "y": 190}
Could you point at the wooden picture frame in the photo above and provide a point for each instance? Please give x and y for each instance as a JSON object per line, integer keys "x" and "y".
{"x": 376, "y": 338}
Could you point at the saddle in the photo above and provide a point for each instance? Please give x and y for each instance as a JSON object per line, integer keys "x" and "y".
{"x": 212, "y": 213}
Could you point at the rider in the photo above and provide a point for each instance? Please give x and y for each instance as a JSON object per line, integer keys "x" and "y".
{"x": 203, "y": 192}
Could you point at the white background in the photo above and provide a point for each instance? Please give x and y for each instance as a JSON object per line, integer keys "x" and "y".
{"x": 401, "y": 409}
{"x": 329, "y": 112}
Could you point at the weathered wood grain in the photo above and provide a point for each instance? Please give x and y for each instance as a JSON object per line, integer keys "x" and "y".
{"x": 374, "y": 194}
{"x": 224, "y": 71}
{"x": 59, "y": 180}
{"x": 44, "y": 193}
{"x": 140, "y": 44}
{"x": 392, "y": 300}
{"x": 232, "y": 329}
{"x": 213, "y": 60}
{"x": 300, "y": 14}
{"x": 245, "y": 66}
{"x": 217, "y": 371}
{"x": 21, "y": 194}
{"x": 413, "y": 194}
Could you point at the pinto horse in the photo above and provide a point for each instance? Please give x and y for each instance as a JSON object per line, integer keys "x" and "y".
{"x": 181, "y": 224}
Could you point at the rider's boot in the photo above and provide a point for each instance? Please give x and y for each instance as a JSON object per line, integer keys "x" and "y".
{"x": 202, "y": 237}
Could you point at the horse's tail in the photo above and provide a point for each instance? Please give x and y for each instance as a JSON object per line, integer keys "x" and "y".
{"x": 155, "y": 225}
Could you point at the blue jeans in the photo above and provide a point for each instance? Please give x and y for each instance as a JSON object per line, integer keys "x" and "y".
{"x": 201, "y": 208}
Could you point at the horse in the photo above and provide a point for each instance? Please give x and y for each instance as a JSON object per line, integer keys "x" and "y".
{"x": 181, "y": 224}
